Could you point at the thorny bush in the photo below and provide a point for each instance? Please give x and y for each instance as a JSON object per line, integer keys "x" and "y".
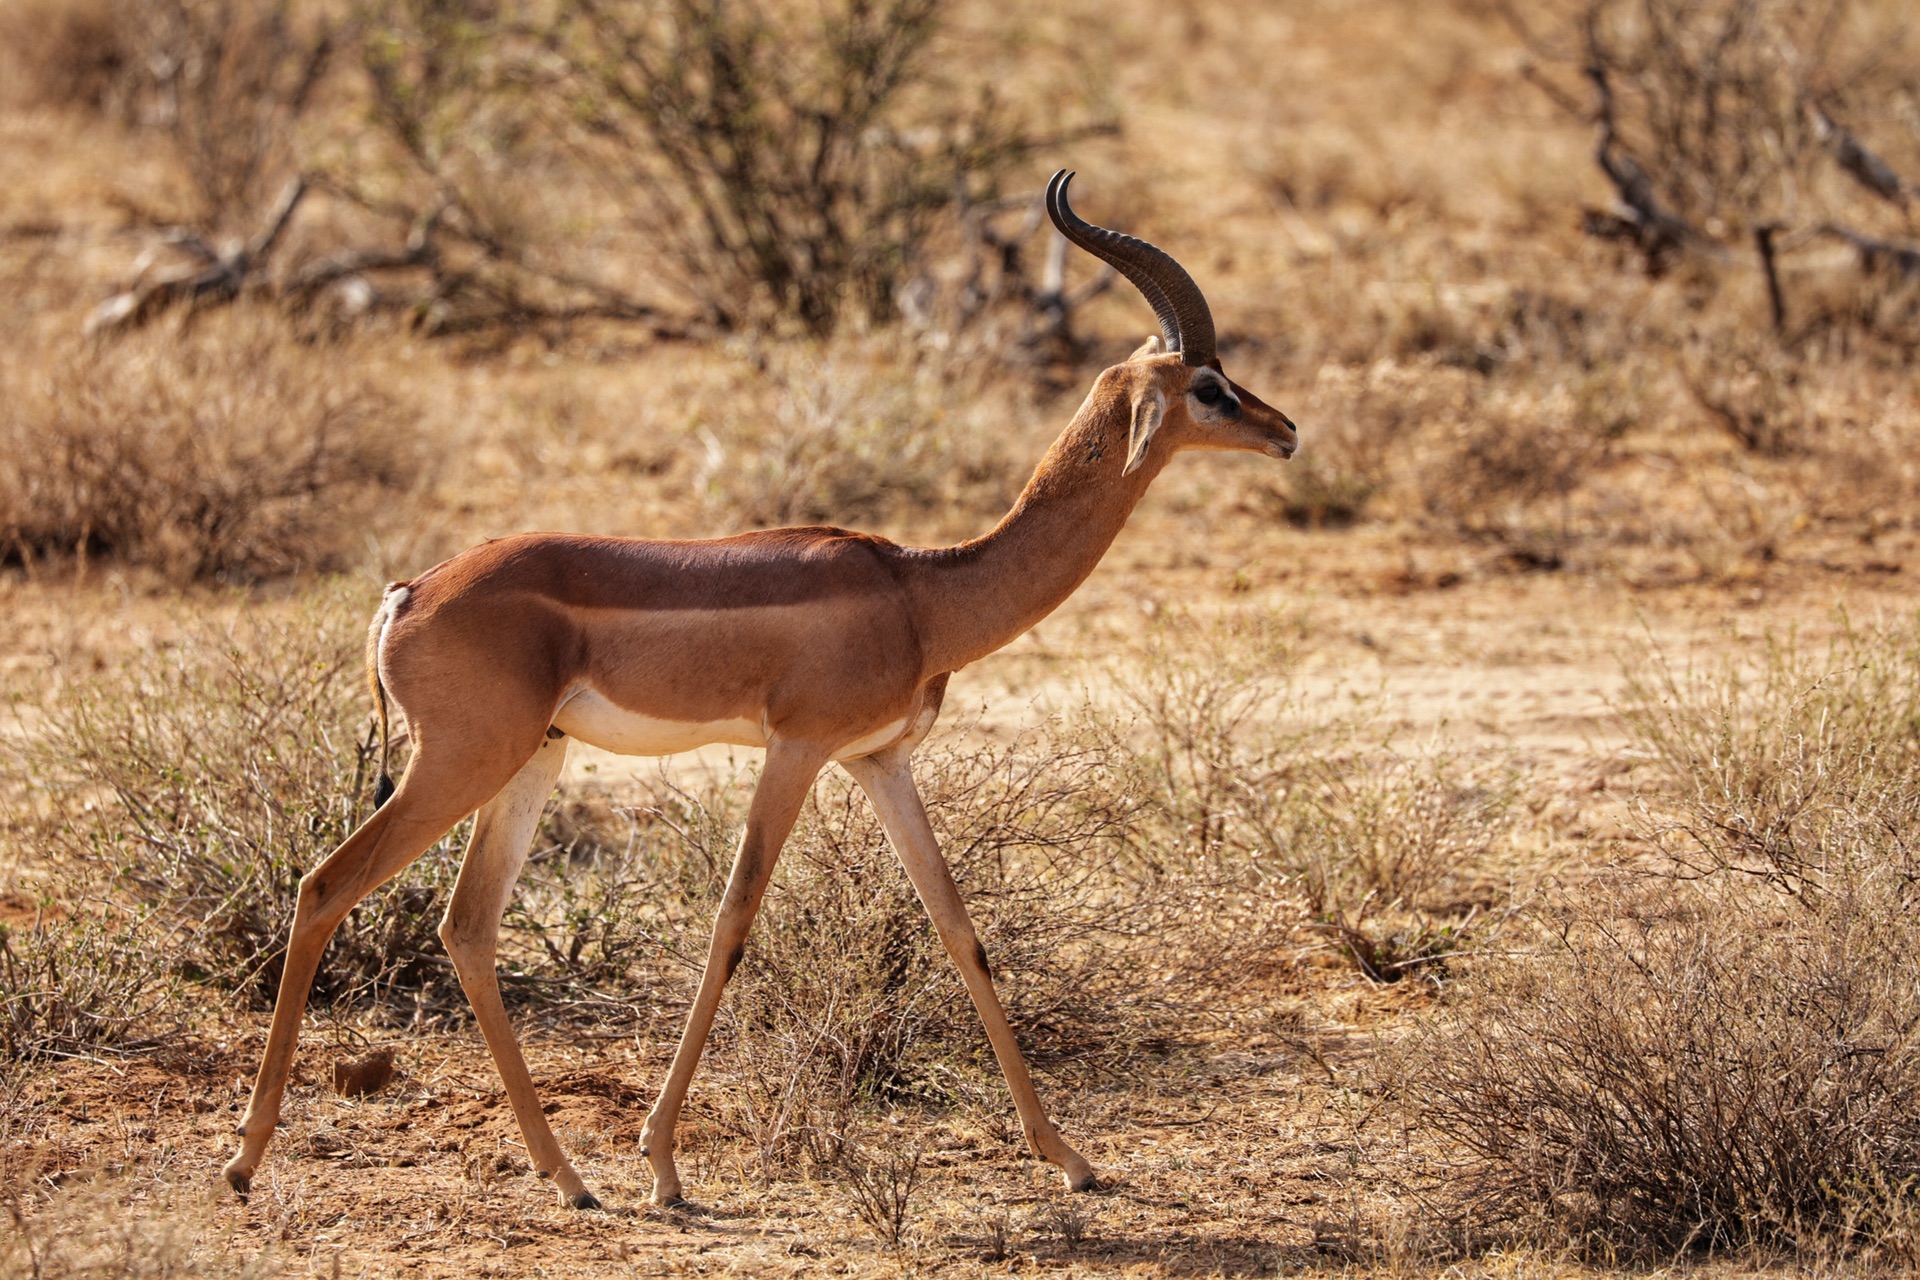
{"x": 1725, "y": 1052}
{"x": 72, "y": 984}
{"x": 212, "y": 771}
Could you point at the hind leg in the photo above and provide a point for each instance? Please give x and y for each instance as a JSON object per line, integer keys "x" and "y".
{"x": 502, "y": 834}
{"x": 434, "y": 796}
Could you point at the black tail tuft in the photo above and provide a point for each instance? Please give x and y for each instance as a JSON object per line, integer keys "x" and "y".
{"x": 382, "y": 789}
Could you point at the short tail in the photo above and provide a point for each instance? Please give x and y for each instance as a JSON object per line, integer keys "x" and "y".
{"x": 396, "y": 596}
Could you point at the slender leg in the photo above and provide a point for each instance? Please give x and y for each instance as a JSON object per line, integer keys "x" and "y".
{"x": 784, "y": 783}
{"x": 502, "y": 833}
{"x": 888, "y": 782}
{"x": 435, "y": 794}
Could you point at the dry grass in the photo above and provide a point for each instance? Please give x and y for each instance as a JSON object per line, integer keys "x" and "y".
{"x": 857, "y": 433}
{"x": 61, "y": 53}
{"x": 1718, "y": 1052}
{"x": 226, "y": 448}
{"x": 81, "y": 984}
{"x": 200, "y": 783}
{"x": 1273, "y": 794}
{"x": 121, "y": 1228}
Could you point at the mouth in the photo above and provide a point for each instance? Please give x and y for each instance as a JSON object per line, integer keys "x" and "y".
{"x": 1282, "y": 449}
{"x": 1286, "y": 447}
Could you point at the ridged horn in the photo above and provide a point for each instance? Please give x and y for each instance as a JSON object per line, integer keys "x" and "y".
{"x": 1185, "y": 320}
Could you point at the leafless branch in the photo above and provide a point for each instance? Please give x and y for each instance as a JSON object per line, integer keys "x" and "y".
{"x": 1865, "y": 167}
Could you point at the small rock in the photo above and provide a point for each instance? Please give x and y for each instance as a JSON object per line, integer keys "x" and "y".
{"x": 365, "y": 1075}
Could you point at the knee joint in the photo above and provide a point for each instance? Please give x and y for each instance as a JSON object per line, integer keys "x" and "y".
{"x": 980, "y": 954}
{"x": 462, "y": 940}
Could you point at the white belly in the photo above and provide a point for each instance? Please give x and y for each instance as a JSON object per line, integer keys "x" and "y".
{"x": 600, "y": 722}
{"x": 879, "y": 738}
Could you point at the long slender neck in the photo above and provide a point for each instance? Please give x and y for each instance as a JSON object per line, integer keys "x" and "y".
{"x": 977, "y": 597}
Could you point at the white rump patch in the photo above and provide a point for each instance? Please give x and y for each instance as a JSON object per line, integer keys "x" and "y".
{"x": 390, "y": 604}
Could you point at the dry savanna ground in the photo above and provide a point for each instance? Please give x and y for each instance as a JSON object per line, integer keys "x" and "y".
{"x": 1482, "y": 845}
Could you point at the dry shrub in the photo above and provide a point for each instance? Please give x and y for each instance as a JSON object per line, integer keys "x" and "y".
{"x": 1475, "y": 457}
{"x": 222, "y": 448}
{"x": 610, "y": 913}
{"x": 1690, "y": 1067}
{"x": 1506, "y": 469}
{"x": 1389, "y": 853}
{"x": 1272, "y": 809}
{"x": 66, "y": 53}
{"x": 226, "y": 81}
{"x": 1824, "y": 432}
{"x": 1787, "y": 771}
{"x": 197, "y": 783}
{"x": 781, "y": 166}
{"x": 207, "y": 775}
{"x": 1726, "y": 1052}
{"x": 881, "y": 1187}
{"x": 1722, "y": 116}
{"x": 1752, "y": 388}
{"x": 222, "y": 81}
{"x": 1346, "y": 463}
{"x": 847, "y": 999}
{"x": 78, "y": 984}
{"x": 793, "y": 161}
{"x": 858, "y": 432}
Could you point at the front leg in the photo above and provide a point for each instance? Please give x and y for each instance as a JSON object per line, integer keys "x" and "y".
{"x": 784, "y": 783}
{"x": 888, "y": 782}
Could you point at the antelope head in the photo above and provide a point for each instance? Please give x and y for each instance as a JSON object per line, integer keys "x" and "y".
{"x": 1181, "y": 398}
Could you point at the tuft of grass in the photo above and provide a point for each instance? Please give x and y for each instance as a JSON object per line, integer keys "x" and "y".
{"x": 220, "y": 449}
{"x": 117, "y": 1227}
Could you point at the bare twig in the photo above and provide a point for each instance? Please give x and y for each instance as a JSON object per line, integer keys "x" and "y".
{"x": 1763, "y": 239}
{"x": 1640, "y": 215}
{"x": 1865, "y": 167}
{"x": 1876, "y": 253}
{"x": 221, "y": 276}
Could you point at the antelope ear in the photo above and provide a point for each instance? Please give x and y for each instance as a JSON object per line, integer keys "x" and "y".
{"x": 1153, "y": 346}
{"x": 1149, "y": 407}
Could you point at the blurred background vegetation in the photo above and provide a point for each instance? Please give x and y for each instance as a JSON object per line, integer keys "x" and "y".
{"x": 1639, "y": 264}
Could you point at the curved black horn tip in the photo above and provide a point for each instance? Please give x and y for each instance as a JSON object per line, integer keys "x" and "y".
{"x": 1056, "y": 195}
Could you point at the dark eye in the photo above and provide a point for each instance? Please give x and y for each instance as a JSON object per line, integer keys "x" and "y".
{"x": 1208, "y": 393}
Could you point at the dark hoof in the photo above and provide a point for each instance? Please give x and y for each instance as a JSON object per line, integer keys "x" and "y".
{"x": 242, "y": 1183}
{"x": 583, "y": 1200}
